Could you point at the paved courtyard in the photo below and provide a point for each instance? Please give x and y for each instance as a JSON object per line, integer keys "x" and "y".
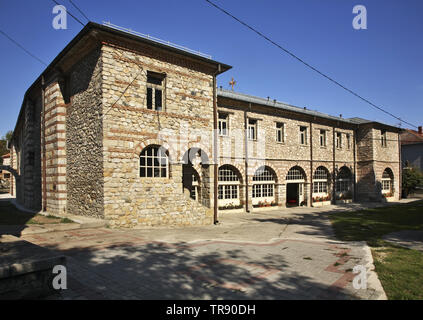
{"x": 285, "y": 254}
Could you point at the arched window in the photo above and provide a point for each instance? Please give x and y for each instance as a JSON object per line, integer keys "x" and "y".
{"x": 228, "y": 186}
{"x": 387, "y": 181}
{"x": 264, "y": 181}
{"x": 321, "y": 181}
{"x": 296, "y": 174}
{"x": 343, "y": 180}
{"x": 154, "y": 162}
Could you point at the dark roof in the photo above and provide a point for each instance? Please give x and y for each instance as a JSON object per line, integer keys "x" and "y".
{"x": 276, "y": 104}
{"x": 281, "y": 105}
{"x": 409, "y": 136}
{"x": 358, "y": 120}
{"x": 128, "y": 35}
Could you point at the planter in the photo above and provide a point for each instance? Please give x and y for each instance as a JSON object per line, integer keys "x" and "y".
{"x": 321, "y": 203}
{"x": 388, "y": 199}
{"x": 257, "y": 209}
{"x": 344, "y": 201}
{"x": 230, "y": 211}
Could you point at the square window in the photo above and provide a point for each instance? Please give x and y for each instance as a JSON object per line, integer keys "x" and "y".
{"x": 223, "y": 124}
{"x": 383, "y": 138}
{"x": 155, "y": 90}
{"x": 323, "y": 138}
{"x": 280, "y": 132}
{"x": 303, "y": 135}
{"x": 338, "y": 141}
{"x": 348, "y": 136}
{"x": 252, "y": 129}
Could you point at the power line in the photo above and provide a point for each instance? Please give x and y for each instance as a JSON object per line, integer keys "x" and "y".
{"x": 80, "y": 11}
{"x": 141, "y": 69}
{"x": 67, "y": 11}
{"x": 22, "y": 47}
{"x": 307, "y": 64}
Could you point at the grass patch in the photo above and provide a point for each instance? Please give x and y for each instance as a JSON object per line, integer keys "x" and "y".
{"x": 399, "y": 269}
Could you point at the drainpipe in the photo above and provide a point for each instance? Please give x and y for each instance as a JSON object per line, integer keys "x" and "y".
{"x": 44, "y": 143}
{"x": 247, "y": 208}
{"x": 400, "y": 168}
{"x": 215, "y": 143}
{"x": 333, "y": 166}
{"x": 355, "y": 164}
{"x": 310, "y": 204}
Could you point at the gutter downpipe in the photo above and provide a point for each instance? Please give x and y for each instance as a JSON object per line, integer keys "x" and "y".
{"x": 400, "y": 167}
{"x": 43, "y": 106}
{"x": 355, "y": 164}
{"x": 333, "y": 166}
{"x": 247, "y": 208}
{"x": 310, "y": 204}
{"x": 215, "y": 128}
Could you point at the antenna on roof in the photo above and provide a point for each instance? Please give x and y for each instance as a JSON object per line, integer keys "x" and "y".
{"x": 147, "y": 36}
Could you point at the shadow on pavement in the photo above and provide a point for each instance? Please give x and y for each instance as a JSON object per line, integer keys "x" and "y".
{"x": 176, "y": 271}
{"x": 12, "y": 220}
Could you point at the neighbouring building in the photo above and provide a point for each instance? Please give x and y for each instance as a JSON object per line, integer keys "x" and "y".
{"x": 412, "y": 148}
{"x": 4, "y": 174}
{"x": 136, "y": 132}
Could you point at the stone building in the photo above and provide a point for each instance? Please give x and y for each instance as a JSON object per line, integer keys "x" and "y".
{"x": 5, "y": 175}
{"x": 133, "y": 131}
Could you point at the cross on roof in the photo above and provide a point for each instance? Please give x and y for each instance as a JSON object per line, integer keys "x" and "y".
{"x": 232, "y": 83}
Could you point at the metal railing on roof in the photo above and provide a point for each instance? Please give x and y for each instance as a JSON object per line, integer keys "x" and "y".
{"x": 147, "y": 36}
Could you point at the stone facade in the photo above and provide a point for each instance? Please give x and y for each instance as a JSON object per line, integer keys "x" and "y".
{"x": 129, "y": 127}
{"x": 92, "y": 124}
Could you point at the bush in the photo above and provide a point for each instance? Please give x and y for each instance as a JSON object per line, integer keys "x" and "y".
{"x": 411, "y": 179}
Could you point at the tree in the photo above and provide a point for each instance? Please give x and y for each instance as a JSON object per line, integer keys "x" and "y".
{"x": 411, "y": 179}
{"x": 3, "y": 144}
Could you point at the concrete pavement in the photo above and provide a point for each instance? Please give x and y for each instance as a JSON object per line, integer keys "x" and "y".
{"x": 284, "y": 254}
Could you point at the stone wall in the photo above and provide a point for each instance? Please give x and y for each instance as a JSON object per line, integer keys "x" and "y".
{"x": 25, "y": 156}
{"x": 281, "y": 156}
{"x": 373, "y": 159}
{"x": 84, "y": 138}
{"x": 54, "y": 120}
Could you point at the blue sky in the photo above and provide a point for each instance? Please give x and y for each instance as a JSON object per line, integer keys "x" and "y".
{"x": 383, "y": 63}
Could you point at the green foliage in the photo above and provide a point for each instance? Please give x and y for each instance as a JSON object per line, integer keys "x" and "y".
{"x": 3, "y": 144}
{"x": 411, "y": 178}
